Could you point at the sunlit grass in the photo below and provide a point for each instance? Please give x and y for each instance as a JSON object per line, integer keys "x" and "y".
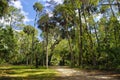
{"x": 26, "y": 72}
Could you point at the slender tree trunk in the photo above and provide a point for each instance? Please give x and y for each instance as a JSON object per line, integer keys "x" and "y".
{"x": 81, "y": 42}
{"x": 32, "y": 47}
{"x": 111, "y": 8}
{"x": 36, "y": 60}
{"x": 31, "y": 60}
{"x": 33, "y": 35}
{"x": 63, "y": 60}
{"x": 77, "y": 42}
{"x": 11, "y": 21}
{"x": 98, "y": 43}
{"x": 27, "y": 61}
{"x": 71, "y": 51}
{"x": 47, "y": 49}
{"x": 27, "y": 51}
{"x": 91, "y": 41}
{"x": 118, "y": 5}
{"x": 43, "y": 58}
{"x": 70, "y": 47}
{"x": 114, "y": 26}
{"x": 115, "y": 36}
{"x": 96, "y": 35}
{"x": 77, "y": 35}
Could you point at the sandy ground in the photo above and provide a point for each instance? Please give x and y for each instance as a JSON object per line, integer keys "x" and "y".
{"x": 75, "y": 74}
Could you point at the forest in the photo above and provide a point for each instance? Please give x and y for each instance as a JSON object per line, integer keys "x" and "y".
{"x": 80, "y": 33}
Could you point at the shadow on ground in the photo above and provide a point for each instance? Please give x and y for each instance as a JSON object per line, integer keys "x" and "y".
{"x": 52, "y": 76}
{"x": 24, "y": 73}
{"x": 30, "y": 77}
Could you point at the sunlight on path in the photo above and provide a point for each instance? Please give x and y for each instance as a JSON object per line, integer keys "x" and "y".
{"x": 66, "y": 72}
{"x": 80, "y": 75}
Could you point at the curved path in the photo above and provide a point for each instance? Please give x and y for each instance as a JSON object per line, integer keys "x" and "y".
{"x": 75, "y": 74}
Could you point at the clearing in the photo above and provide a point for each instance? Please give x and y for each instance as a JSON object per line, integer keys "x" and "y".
{"x": 54, "y": 73}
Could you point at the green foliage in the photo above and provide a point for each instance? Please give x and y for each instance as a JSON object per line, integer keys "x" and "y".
{"x": 3, "y": 7}
{"x": 43, "y": 23}
{"x": 60, "y": 53}
{"x": 73, "y": 35}
{"x": 38, "y": 7}
{"x": 77, "y": 3}
{"x": 7, "y": 43}
{"x": 29, "y": 30}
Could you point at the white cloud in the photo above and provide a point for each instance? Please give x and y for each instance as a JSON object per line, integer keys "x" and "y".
{"x": 17, "y": 4}
{"x": 59, "y": 1}
{"x": 49, "y": 12}
{"x": 50, "y": 6}
{"x": 47, "y": 4}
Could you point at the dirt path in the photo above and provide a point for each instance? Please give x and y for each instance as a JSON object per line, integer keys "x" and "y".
{"x": 74, "y": 74}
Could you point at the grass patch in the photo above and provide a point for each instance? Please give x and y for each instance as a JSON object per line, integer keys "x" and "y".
{"x": 26, "y": 73}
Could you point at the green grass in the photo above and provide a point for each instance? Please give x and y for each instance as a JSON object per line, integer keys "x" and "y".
{"x": 26, "y": 73}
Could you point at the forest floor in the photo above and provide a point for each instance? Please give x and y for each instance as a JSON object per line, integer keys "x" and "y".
{"x": 77, "y": 74}
{"x": 54, "y": 73}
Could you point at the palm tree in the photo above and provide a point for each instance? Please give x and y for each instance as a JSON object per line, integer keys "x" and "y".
{"x": 43, "y": 24}
{"x": 38, "y": 7}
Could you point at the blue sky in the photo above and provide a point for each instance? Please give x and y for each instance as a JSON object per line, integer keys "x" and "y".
{"x": 27, "y": 10}
{"x": 26, "y": 7}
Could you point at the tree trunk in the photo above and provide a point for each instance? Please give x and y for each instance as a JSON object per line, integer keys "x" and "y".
{"x": 47, "y": 49}
{"x": 43, "y": 58}
{"x": 98, "y": 43}
{"x": 27, "y": 61}
{"x": 114, "y": 26}
{"x": 91, "y": 41}
{"x": 118, "y": 5}
{"x": 77, "y": 35}
{"x": 96, "y": 35}
{"x": 33, "y": 38}
{"x": 111, "y": 8}
{"x": 81, "y": 42}
{"x": 36, "y": 61}
{"x": 70, "y": 47}
{"x": 11, "y": 18}
{"x": 32, "y": 46}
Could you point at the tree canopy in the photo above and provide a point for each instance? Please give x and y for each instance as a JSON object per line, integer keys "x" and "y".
{"x": 80, "y": 33}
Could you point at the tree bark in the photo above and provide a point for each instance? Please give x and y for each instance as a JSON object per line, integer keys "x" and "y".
{"x": 36, "y": 60}
{"x": 111, "y": 8}
{"x": 43, "y": 58}
{"x": 118, "y": 6}
{"x": 81, "y": 42}
{"x": 91, "y": 41}
{"x": 47, "y": 49}
{"x": 70, "y": 47}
